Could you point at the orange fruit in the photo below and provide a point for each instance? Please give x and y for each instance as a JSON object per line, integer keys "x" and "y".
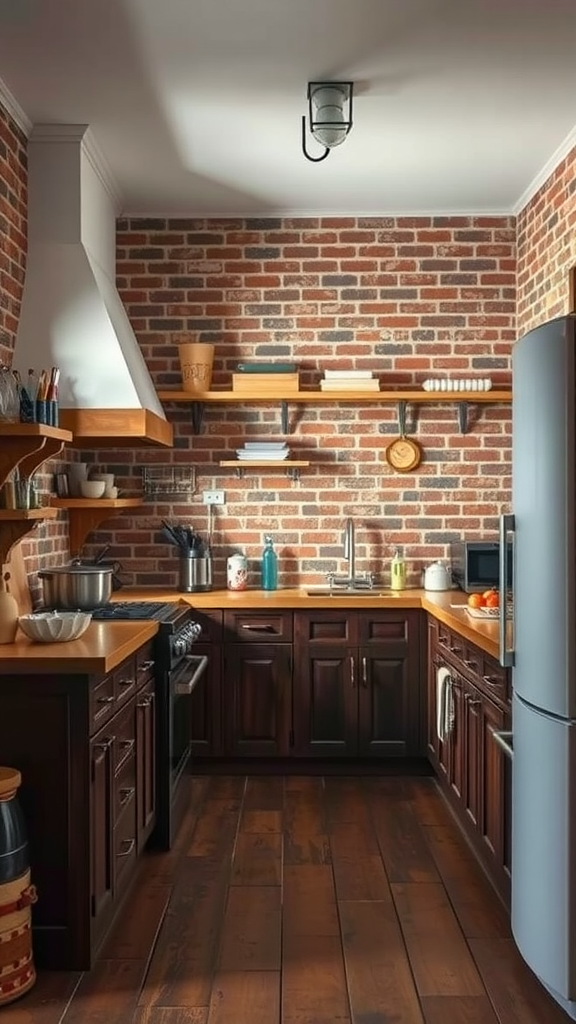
{"x": 476, "y": 601}
{"x": 493, "y": 599}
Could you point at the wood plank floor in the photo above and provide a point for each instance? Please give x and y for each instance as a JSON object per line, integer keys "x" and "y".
{"x": 304, "y": 900}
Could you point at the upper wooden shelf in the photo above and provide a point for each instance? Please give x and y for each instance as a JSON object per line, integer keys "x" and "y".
{"x": 107, "y": 503}
{"x": 311, "y": 395}
{"x": 28, "y": 445}
{"x": 401, "y": 396}
{"x": 85, "y": 514}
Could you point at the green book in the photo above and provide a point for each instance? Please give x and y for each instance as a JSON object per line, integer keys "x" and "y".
{"x": 267, "y": 367}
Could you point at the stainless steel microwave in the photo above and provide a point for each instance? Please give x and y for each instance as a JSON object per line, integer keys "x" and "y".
{"x": 476, "y": 564}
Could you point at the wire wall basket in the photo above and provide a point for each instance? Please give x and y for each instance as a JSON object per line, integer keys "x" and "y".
{"x": 177, "y": 482}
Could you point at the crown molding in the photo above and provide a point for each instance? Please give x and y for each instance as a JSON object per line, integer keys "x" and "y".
{"x": 14, "y": 110}
{"x": 549, "y": 167}
{"x": 82, "y": 135}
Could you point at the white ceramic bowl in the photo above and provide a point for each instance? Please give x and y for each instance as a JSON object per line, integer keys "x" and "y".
{"x": 54, "y": 627}
{"x": 92, "y": 488}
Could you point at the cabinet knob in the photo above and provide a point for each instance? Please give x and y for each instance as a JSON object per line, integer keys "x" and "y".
{"x": 144, "y": 703}
{"x": 145, "y": 666}
{"x": 353, "y": 673}
{"x": 106, "y": 700}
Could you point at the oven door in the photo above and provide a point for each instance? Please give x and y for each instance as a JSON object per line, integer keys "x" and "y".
{"x": 183, "y": 678}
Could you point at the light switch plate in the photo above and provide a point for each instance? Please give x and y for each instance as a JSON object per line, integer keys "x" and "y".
{"x": 213, "y": 497}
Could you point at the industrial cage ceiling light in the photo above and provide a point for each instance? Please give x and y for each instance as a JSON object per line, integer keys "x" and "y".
{"x": 329, "y": 114}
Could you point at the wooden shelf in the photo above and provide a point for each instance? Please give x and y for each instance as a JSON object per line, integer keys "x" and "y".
{"x": 292, "y": 466}
{"x": 400, "y": 396}
{"x": 86, "y": 514}
{"x": 28, "y": 445}
{"x": 15, "y": 523}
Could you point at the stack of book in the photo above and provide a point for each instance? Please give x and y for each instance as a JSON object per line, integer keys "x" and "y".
{"x": 265, "y": 377}
{"x": 349, "y": 380}
{"x": 262, "y": 451}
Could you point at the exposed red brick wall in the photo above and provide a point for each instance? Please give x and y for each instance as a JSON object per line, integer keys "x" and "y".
{"x": 406, "y": 297}
{"x": 546, "y": 232}
{"x": 13, "y": 228}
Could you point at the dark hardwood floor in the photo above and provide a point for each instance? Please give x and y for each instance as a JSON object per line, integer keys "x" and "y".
{"x": 303, "y": 900}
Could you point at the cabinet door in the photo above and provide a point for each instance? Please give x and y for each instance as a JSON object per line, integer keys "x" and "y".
{"x": 257, "y": 699}
{"x": 326, "y": 700}
{"x": 471, "y": 779}
{"x": 456, "y": 742}
{"x": 101, "y": 823}
{"x": 385, "y": 723}
{"x": 145, "y": 763}
{"x": 492, "y": 769}
{"x": 205, "y": 705}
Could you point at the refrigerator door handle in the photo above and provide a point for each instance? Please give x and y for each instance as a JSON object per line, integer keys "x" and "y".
{"x": 503, "y": 739}
{"x": 506, "y": 621}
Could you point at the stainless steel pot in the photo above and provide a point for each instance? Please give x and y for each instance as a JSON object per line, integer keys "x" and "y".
{"x": 81, "y": 587}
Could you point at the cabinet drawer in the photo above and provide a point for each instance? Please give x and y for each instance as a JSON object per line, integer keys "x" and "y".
{"x": 144, "y": 664}
{"x": 125, "y": 681}
{"x": 124, "y": 786}
{"x": 124, "y": 844}
{"x": 493, "y": 679}
{"x": 124, "y": 730}
{"x": 327, "y": 627}
{"x": 102, "y": 702}
{"x": 254, "y": 627}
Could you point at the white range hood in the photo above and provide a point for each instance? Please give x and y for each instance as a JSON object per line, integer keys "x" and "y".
{"x": 72, "y": 315}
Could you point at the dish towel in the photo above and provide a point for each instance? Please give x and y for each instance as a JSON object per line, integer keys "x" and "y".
{"x": 444, "y": 704}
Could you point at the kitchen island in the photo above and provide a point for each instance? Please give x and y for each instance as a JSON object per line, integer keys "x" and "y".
{"x": 77, "y": 719}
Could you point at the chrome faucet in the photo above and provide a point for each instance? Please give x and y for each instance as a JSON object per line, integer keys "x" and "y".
{"x": 350, "y": 549}
{"x": 351, "y": 581}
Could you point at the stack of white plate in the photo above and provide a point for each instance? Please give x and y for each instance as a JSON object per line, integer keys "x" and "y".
{"x": 260, "y": 451}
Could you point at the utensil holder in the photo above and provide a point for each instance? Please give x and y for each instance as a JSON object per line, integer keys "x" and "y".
{"x": 195, "y": 573}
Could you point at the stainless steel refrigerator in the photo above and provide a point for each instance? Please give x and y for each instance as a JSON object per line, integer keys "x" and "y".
{"x": 540, "y": 643}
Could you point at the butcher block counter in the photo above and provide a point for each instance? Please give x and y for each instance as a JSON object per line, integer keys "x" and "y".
{"x": 448, "y": 607}
{"x": 101, "y": 649}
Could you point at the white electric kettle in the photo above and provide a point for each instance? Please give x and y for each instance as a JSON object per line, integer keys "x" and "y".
{"x": 437, "y": 577}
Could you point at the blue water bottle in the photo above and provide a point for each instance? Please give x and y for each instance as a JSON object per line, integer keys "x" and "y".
{"x": 269, "y": 565}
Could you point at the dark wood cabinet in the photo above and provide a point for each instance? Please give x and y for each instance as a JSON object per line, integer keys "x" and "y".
{"x": 206, "y": 706}
{"x": 471, "y": 767}
{"x": 101, "y": 825}
{"x": 87, "y": 757}
{"x": 257, "y": 683}
{"x": 145, "y": 763}
{"x": 356, "y": 683}
{"x": 258, "y": 704}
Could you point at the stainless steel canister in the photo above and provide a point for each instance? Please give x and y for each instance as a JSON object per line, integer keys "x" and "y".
{"x": 195, "y": 572}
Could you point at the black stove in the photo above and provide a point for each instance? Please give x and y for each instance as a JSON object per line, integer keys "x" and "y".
{"x": 162, "y": 611}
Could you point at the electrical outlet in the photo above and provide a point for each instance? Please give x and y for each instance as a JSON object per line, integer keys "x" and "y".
{"x": 213, "y": 497}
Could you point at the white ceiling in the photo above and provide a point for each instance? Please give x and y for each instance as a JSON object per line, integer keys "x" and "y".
{"x": 460, "y": 106}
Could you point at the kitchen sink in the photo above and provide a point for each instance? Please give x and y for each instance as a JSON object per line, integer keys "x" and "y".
{"x": 347, "y": 592}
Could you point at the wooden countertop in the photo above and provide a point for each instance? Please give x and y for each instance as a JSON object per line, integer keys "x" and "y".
{"x": 103, "y": 646}
{"x": 441, "y": 605}
{"x": 106, "y": 644}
